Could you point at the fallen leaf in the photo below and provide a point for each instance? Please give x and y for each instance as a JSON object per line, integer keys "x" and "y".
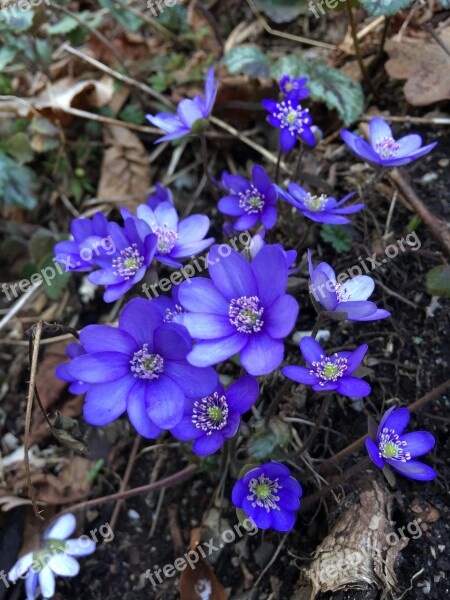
{"x": 426, "y": 66}
{"x": 200, "y": 582}
{"x": 125, "y": 170}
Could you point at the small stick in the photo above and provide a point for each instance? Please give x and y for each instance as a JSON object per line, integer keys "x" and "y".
{"x": 317, "y": 424}
{"x": 359, "y": 58}
{"x": 126, "y": 479}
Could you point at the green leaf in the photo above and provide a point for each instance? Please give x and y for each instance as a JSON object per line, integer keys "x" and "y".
{"x": 7, "y": 55}
{"x": 16, "y": 19}
{"x": 19, "y": 148}
{"x": 54, "y": 282}
{"x": 282, "y": 11}
{"x": 377, "y": 8}
{"x": 336, "y": 89}
{"x": 42, "y": 243}
{"x": 15, "y": 183}
{"x": 66, "y": 25}
{"x": 175, "y": 19}
{"x": 249, "y": 60}
{"x": 132, "y": 114}
{"x": 438, "y": 281}
{"x": 337, "y": 236}
{"x": 127, "y": 19}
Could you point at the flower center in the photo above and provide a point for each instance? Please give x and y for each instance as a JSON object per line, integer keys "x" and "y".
{"x": 128, "y": 263}
{"x": 387, "y": 147}
{"x": 210, "y": 413}
{"x": 170, "y": 314}
{"x": 329, "y": 370}
{"x": 263, "y": 492}
{"x": 315, "y": 203}
{"x": 245, "y": 314}
{"x": 341, "y": 295}
{"x": 48, "y": 548}
{"x": 390, "y": 446}
{"x": 252, "y": 201}
{"x": 167, "y": 238}
{"x": 145, "y": 365}
{"x": 292, "y": 118}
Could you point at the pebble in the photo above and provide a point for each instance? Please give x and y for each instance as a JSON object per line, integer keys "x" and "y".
{"x": 429, "y": 177}
{"x": 444, "y": 162}
{"x": 133, "y": 515}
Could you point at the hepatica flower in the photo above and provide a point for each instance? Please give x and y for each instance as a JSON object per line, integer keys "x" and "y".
{"x": 139, "y": 367}
{"x": 390, "y": 446}
{"x": 327, "y": 373}
{"x": 55, "y": 556}
{"x": 350, "y": 296}
{"x": 242, "y": 309}
{"x": 320, "y": 208}
{"x": 162, "y": 194}
{"x": 257, "y": 243}
{"x": 212, "y": 419}
{"x": 292, "y": 119}
{"x": 290, "y": 84}
{"x": 77, "y": 254}
{"x": 268, "y": 495}
{"x": 135, "y": 245}
{"x": 176, "y": 239}
{"x": 383, "y": 149}
{"x": 250, "y": 201}
{"x": 191, "y": 114}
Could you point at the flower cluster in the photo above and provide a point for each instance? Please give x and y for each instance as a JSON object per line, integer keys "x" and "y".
{"x": 158, "y": 364}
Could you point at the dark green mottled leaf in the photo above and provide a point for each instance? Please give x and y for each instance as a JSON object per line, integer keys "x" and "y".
{"x": 438, "y": 281}
{"x": 249, "y": 60}
{"x": 387, "y": 8}
{"x": 282, "y": 11}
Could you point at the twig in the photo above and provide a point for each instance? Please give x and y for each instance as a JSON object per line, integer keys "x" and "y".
{"x": 84, "y": 114}
{"x": 19, "y": 304}
{"x": 126, "y": 479}
{"x": 272, "y": 560}
{"x": 143, "y": 489}
{"x": 277, "y": 170}
{"x": 287, "y": 36}
{"x": 415, "y": 406}
{"x": 359, "y": 58}
{"x": 317, "y": 424}
{"x": 438, "y": 228}
{"x": 26, "y": 442}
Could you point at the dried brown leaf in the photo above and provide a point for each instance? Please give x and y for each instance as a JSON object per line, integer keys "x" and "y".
{"x": 426, "y": 66}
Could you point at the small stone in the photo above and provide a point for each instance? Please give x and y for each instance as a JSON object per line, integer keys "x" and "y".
{"x": 133, "y": 515}
{"x": 444, "y": 162}
{"x": 429, "y": 177}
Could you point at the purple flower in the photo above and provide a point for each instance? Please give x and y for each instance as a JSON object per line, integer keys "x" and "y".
{"x": 292, "y": 119}
{"x": 53, "y": 557}
{"x": 326, "y": 373}
{"x": 257, "y": 243}
{"x": 88, "y": 236}
{"x": 77, "y": 387}
{"x": 350, "y": 296}
{"x": 242, "y": 308}
{"x": 252, "y": 201}
{"x": 392, "y": 447}
{"x": 162, "y": 194}
{"x": 191, "y": 114}
{"x": 170, "y": 308}
{"x": 139, "y": 367}
{"x": 269, "y": 496}
{"x": 214, "y": 418}
{"x": 383, "y": 149}
{"x": 290, "y": 84}
{"x": 135, "y": 246}
{"x": 323, "y": 208}
{"x": 176, "y": 239}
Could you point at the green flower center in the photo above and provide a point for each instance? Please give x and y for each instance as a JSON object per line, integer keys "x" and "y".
{"x": 291, "y": 117}
{"x": 330, "y": 371}
{"x": 390, "y": 450}
{"x": 215, "y": 413}
{"x": 42, "y": 556}
{"x": 289, "y": 86}
{"x": 262, "y": 491}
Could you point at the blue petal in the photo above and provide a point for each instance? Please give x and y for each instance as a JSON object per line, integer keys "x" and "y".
{"x": 172, "y": 341}
{"x": 262, "y": 354}
{"x": 242, "y": 394}
{"x": 137, "y": 411}
{"x": 246, "y": 222}
{"x": 413, "y": 469}
{"x": 311, "y": 350}
{"x": 269, "y": 217}
{"x": 194, "y": 381}
{"x": 353, "y": 387}
{"x": 287, "y": 140}
{"x": 300, "y": 374}
{"x": 377, "y": 315}
{"x": 236, "y": 183}
{"x": 397, "y": 420}
{"x": 270, "y": 270}
{"x": 355, "y": 358}
{"x": 260, "y": 178}
{"x": 200, "y": 295}
{"x": 103, "y": 338}
{"x": 231, "y": 274}
{"x": 106, "y": 402}
{"x": 166, "y": 215}
{"x": 140, "y": 318}
{"x": 358, "y": 288}
{"x": 374, "y": 453}
{"x": 230, "y": 206}
{"x": 239, "y": 492}
{"x": 185, "y": 430}
{"x": 212, "y": 352}
{"x": 379, "y": 129}
{"x": 62, "y": 528}
{"x": 418, "y": 442}
{"x": 280, "y": 317}
{"x": 203, "y": 326}
{"x": 289, "y": 500}
{"x": 208, "y": 444}
{"x": 193, "y": 229}
{"x": 99, "y": 367}
{"x": 357, "y": 309}
{"x": 64, "y": 565}
{"x": 260, "y": 516}
{"x": 164, "y": 400}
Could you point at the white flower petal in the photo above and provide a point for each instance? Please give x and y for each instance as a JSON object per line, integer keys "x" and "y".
{"x": 62, "y": 528}
{"x": 65, "y": 565}
{"x": 80, "y": 547}
{"x": 47, "y": 582}
{"x": 21, "y": 566}
{"x": 31, "y": 585}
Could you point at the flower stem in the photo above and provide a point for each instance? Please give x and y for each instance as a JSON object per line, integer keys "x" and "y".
{"x": 204, "y": 153}
{"x": 299, "y": 161}
{"x": 277, "y": 172}
{"x": 387, "y": 22}
{"x": 357, "y": 47}
{"x": 360, "y": 465}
